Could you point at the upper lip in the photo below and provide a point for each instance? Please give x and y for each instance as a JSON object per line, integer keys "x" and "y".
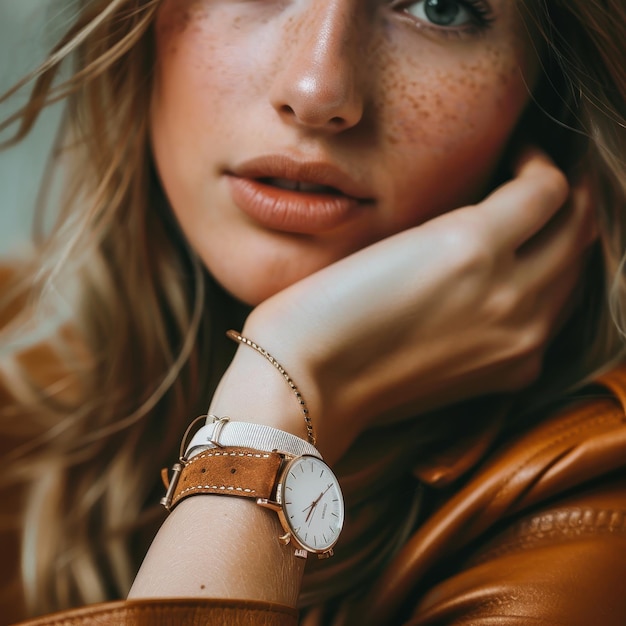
{"x": 304, "y": 171}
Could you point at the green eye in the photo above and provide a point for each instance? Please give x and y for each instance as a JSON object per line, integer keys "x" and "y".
{"x": 440, "y": 12}
{"x": 449, "y": 13}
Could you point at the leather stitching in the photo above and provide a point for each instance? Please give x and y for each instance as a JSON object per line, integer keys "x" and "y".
{"x": 562, "y": 437}
{"x": 559, "y": 525}
{"x": 205, "y": 455}
{"x": 219, "y": 453}
{"x": 220, "y": 487}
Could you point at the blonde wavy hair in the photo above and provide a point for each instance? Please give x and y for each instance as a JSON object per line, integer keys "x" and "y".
{"x": 138, "y": 359}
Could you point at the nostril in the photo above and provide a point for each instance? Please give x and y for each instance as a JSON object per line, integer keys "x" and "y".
{"x": 287, "y": 110}
{"x": 321, "y": 107}
{"x": 313, "y": 117}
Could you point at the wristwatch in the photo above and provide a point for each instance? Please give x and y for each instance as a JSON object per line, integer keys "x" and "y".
{"x": 300, "y": 488}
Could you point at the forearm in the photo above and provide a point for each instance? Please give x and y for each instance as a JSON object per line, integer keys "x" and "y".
{"x": 227, "y": 547}
{"x": 220, "y": 547}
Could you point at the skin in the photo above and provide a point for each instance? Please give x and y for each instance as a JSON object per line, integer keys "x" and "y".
{"x": 414, "y": 296}
{"x": 419, "y": 115}
{"x": 220, "y": 547}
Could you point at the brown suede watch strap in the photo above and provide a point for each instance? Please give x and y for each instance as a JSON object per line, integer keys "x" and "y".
{"x": 229, "y": 471}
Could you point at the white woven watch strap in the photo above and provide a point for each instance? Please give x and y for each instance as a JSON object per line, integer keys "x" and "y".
{"x": 248, "y": 435}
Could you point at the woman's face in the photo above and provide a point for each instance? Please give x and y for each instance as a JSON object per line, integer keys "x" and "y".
{"x": 291, "y": 133}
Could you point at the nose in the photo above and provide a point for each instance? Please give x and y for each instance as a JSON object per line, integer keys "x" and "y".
{"x": 317, "y": 87}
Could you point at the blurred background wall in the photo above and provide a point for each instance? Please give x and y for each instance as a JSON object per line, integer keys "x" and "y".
{"x": 28, "y": 29}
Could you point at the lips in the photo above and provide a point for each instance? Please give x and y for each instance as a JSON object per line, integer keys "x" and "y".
{"x": 299, "y": 185}
{"x": 302, "y": 197}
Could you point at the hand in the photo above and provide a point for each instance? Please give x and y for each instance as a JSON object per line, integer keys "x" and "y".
{"x": 459, "y": 306}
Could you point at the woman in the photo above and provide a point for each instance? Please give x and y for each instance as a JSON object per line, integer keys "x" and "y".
{"x": 360, "y": 185}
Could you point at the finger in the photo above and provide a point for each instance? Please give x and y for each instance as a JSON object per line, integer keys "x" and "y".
{"x": 558, "y": 298}
{"x": 520, "y": 208}
{"x": 563, "y": 240}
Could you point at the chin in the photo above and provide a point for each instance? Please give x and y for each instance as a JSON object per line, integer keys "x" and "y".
{"x": 259, "y": 272}
{"x": 250, "y": 289}
{"x": 250, "y": 296}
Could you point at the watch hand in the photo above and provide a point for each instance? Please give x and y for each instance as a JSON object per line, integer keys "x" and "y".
{"x": 315, "y": 502}
{"x": 308, "y": 507}
{"x": 311, "y": 509}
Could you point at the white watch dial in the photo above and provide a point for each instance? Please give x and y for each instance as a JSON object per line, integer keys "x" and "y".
{"x": 312, "y": 503}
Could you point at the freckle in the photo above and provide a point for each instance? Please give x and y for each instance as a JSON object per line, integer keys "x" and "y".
{"x": 494, "y": 51}
{"x": 180, "y": 23}
{"x": 202, "y": 586}
{"x": 293, "y": 27}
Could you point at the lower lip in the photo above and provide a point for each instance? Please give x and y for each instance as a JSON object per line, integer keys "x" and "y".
{"x": 292, "y": 211}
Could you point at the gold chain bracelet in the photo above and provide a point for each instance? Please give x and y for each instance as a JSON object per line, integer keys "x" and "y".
{"x": 235, "y": 336}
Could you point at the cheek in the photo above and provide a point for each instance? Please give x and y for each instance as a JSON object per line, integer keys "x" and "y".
{"x": 447, "y": 120}
{"x": 196, "y": 73}
{"x": 209, "y": 54}
{"x": 440, "y": 92}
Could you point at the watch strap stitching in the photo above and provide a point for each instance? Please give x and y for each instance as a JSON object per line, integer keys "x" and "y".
{"x": 220, "y": 487}
{"x": 260, "y": 476}
{"x": 217, "y": 453}
{"x": 222, "y": 452}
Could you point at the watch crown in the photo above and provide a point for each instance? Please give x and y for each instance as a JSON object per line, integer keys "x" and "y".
{"x": 285, "y": 539}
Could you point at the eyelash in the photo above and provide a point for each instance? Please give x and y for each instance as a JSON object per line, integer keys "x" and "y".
{"x": 482, "y": 18}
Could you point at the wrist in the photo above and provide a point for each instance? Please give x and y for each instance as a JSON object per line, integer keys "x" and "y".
{"x": 252, "y": 390}
{"x": 304, "y": 357}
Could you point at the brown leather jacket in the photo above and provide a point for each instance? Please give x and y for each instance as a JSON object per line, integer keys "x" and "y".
{"x": 532, "y": 532}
